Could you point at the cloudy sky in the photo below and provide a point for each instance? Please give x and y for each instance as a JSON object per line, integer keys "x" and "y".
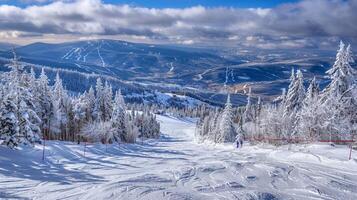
{"x": 259, "y": 23}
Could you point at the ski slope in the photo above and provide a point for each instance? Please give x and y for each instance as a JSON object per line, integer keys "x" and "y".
{"x": 175, "y": 167}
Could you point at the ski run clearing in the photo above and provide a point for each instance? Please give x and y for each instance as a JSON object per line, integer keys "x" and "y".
{"x": 176, "y": 167}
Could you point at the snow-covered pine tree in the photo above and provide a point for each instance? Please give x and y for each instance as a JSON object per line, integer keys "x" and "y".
{"x": 32, "y": 82}
{"x": 19, "y": 94}
{"x": 312, "y": 91}
{"x": 248, "y": 115}
{"x": 70, "y": 126}
{"x": 308, "y": 118}
{"x": 272, "y": 121}
{"x": 9, "y": 131}
{"x": 28, "y": 121}
{"x": 80, "y": 106}
{"x": 258, "y": 107}
{"x": 337, "y": 98}
{"x": 295, "y": 95}
{"x": 118, "y": 119}
{"x": 90, "y": 98}
{"x": 44, "y": 99}
{"x": 155, "y": 126}
{"x": 226, "y": 129}
{"x": 131, "y": 130}
{"x": 99, "y": 100}
{"x": 207, "y": 127}
{"x": 293, "y": 104}
{"x": 104, "y": 101}
{"x": 60, "y": 101}
{"x": 107, "y": 102}
{"x": 202, "y": 129}
{"x": 2, "y": 91}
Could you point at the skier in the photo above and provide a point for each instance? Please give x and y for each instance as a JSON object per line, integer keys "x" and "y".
{"x": 239, "y": 141}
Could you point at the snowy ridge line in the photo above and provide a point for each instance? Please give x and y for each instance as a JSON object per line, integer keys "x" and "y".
{"x": 71, "y": 71}
{"x": 104, "y": 76}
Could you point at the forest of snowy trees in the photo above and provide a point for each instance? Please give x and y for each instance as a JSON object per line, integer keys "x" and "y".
{"x": 298, "y": 115}
{"x": 31, "y": 110}
{"x": 218, "y": 126}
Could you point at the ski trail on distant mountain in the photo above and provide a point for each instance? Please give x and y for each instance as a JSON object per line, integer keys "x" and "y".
{"x": 200, "y": 76}
{"x": 171, "y": 69}
{"x": 68, "y": 54}
{"x": 100, "y": 56}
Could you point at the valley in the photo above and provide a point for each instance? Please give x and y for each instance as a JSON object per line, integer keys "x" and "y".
{"x": 178, "y": 68}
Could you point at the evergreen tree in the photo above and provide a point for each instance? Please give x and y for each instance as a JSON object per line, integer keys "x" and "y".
{"x": 295, "y": 95}
{"x": 60, "y": 103}
{"x": 339, "y": 113}
{"x": 99, "y": 100}
{"x": 131, "y": 130}
{"x": 342, "y": 75}
{"x": 226, "y": 129}
{"x": 79, "y": 110}
{"x": 103, "y": 107}
{"x": 308, "y": 117}
{"x": 44, "y": 100}
{"x": 9, "y": 123}
{"x": 18, "y": 107}
{"x": 213, "y": 133}
{"x": 293, "y": 104}
{"x": 107, "y": 102}
{"x": 90, "y": 98}
{"x": 248, "y": 115}
{"x": 118, "y": 120}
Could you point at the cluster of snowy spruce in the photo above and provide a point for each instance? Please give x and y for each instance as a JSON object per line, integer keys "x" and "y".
{"x": 32, "y": 110}
{"x": 218, "y": 126}
{"x": 297, "y": 115}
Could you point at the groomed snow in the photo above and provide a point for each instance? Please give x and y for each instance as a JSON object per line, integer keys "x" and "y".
{"x": 175, "y": 167}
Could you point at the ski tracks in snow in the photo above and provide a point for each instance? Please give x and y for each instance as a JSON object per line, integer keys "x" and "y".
{"x": 174, "y": 167}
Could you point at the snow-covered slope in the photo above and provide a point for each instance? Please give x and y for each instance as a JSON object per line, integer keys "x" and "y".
{"x": 175, "y": 167}
{"x": 166, "y": 99}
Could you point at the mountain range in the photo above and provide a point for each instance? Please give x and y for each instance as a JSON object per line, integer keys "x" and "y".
{"x": 201, "y": 72}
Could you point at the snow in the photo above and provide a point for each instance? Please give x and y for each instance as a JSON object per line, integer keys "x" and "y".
{"x": 100, "y": 56}
{"x": 243, "y": 77}
{"x": 171, "y": 68}
{"x": 200, "y": 76}
{"x": 81, "y": 53}
{"x": 164, "y": 98}
{"x": 175, "y": 167}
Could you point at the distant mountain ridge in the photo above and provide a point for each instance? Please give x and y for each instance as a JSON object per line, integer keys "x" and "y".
{"x": 164, "y": 66}
{"x": 7, "y": 46}
{"x": 128, "y": 61}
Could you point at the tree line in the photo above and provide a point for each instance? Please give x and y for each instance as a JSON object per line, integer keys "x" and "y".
{"x": 298, "y": 114}
{"x": 32, "y": 110}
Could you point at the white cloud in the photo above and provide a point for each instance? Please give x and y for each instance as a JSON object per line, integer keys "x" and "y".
{"x": 87, "y": 18}
{"x": 9, "y": 34}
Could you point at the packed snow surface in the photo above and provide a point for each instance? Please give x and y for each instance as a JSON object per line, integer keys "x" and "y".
{"x": 175, "y": 167}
